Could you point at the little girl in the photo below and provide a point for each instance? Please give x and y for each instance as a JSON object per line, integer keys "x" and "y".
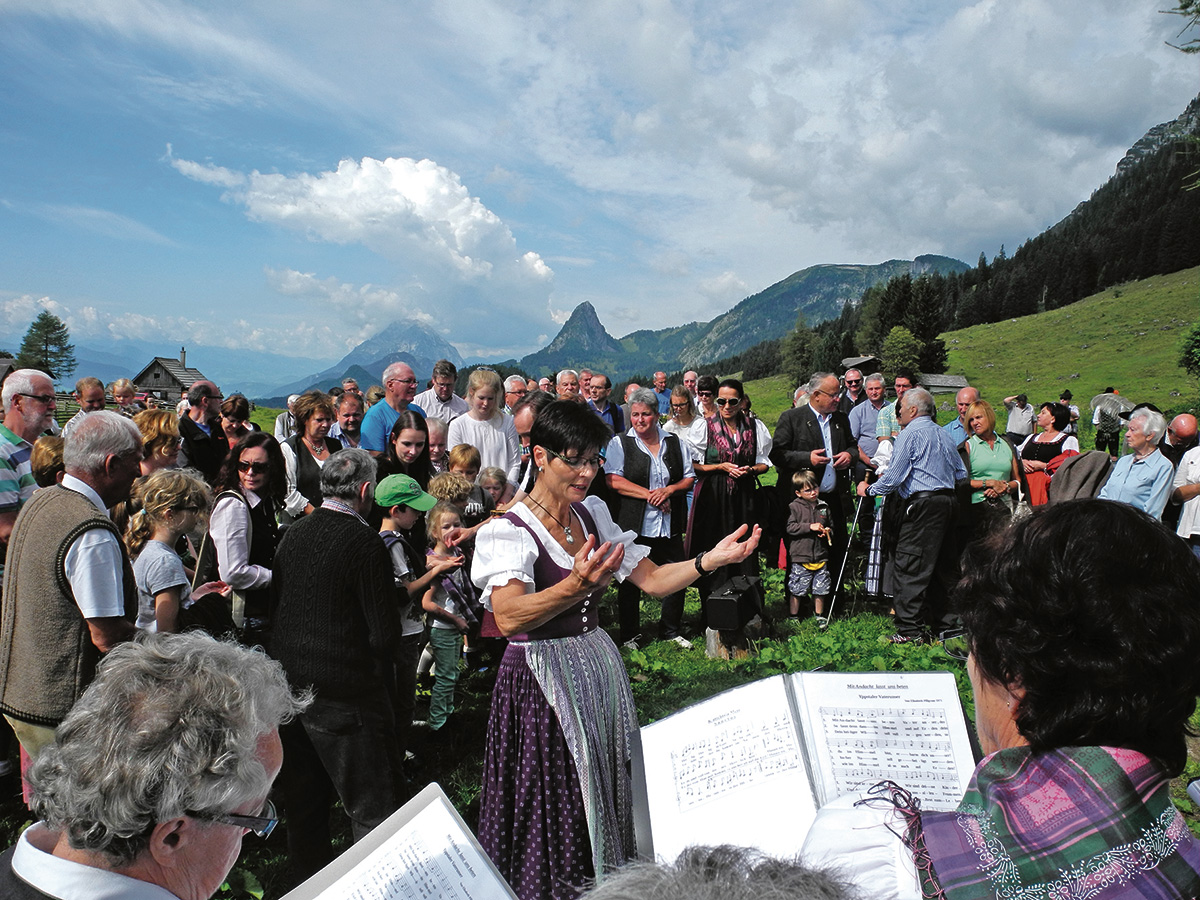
{"x": 495, "y": 482}
{"x": 173, "y": 503}
{"x": 447, "y": 604}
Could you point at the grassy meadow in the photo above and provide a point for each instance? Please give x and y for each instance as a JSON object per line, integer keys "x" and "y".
{"x": 1128, "y": 337}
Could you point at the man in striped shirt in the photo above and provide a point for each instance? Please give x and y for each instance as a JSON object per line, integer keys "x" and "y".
{"x": 924, "y": 468}
{"x": 28, "y": 410}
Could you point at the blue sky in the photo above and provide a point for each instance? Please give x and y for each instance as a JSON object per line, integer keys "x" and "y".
{"x": 293, "y": 176}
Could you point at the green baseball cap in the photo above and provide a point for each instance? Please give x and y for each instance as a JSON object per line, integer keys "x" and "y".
{"x": 401, "y": 490}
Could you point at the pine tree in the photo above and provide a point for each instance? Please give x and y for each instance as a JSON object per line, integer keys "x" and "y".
{"x": 47, "y": 346}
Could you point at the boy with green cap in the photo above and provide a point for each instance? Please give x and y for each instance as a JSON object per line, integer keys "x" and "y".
{"x": 403, "y": 503}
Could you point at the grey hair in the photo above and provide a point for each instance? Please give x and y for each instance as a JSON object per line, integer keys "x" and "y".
{"x": 852, "y": 369}
{"x": 433, "y": 423}
{"x": 21, "y": 382}
{"x": 1154, "y": 425}
{"x": 346, "y": 472}
{"x": 171, "y": 725}
{"x": 875, "y": 378}
{"x": 920, "y": 400}
{"x": 565, "y": 372}
{"x": 722, "y": 873}
{"x": 97, "y": 436}
{"x": 513, "y": 379}
{"x": 646, "y": 397}
{"x": 815, "y": 380}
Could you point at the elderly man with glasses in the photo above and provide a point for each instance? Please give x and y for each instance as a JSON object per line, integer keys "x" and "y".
{"x": 400, "y": 387}
{"x": 156, "y": 774}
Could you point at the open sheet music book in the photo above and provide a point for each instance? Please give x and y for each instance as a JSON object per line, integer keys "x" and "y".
{"x": 423, "y": 850}
{"x": 751, "y": 766}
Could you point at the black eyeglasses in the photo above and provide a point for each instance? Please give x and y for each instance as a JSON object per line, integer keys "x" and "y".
{"x": 577, "y": 462}
{"x": 40, "y": 398}
{"x": 256, "y": 467}
{"x": 679, "y": 406}
{"x": 261, "y": 825}
{"x": 723, "y": 401}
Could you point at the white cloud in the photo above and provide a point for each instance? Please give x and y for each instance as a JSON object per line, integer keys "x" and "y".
{"x": 97, "y": 221}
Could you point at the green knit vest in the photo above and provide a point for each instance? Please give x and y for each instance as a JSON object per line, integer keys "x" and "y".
{"x": 47, "y": 657}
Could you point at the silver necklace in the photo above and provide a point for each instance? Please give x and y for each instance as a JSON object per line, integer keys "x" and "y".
{"x": 565, "y": 527}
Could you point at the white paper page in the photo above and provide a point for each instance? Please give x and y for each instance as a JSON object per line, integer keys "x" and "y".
{"x": 905, "y": 727}
{"x": 729, "y": 770}
{"x": 423, "y": 851}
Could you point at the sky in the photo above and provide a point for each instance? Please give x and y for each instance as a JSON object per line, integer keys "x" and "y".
{"x": 291, "y": 177}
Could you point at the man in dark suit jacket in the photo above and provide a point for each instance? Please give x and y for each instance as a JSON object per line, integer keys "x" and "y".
{"x": 800, "y": 444}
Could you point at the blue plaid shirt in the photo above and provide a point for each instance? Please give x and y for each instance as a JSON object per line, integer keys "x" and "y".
{"x": 925, "y": 459}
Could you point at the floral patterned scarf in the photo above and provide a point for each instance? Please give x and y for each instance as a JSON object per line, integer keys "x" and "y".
{"x": 722, "y": 446}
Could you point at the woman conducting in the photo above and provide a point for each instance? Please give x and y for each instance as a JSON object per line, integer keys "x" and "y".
{"x": 556, "y": 805}
{"x": 651, "y": 470}
{"x": 1083, "y": 667}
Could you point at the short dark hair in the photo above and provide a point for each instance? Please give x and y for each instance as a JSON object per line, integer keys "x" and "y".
{"x": 1060, "y": 413}
{"x": 539, "y": 400}
{"x": 227, "y": 477}
{"x": 1104, "y": 650}
{"x": 566, "y": 425}
{"x": 707, "y": 383}
{"x": 735, "y": 384}
{"x": 905, "y": 372}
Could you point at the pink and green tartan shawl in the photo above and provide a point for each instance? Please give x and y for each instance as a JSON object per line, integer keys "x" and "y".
{"x": 1079, "y": 822}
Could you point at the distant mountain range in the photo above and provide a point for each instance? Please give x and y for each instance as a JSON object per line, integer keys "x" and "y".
{"x": 401, "y": 341}
{"x": 819, "y": 292}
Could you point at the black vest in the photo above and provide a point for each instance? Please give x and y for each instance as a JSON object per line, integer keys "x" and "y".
{"x": 308, "y": 473}
{"x": 637, "y": 470}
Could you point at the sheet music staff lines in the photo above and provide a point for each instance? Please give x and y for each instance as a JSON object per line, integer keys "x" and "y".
{"x": 733, "y": 757}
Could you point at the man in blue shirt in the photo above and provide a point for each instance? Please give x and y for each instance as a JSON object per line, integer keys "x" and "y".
{"x": 957, "y": 429}
{"x": 663, "y": 393}
{"x": 401, "y": 386}
{"x": 1142, "y": 478}
{"x": 923, "y": 471}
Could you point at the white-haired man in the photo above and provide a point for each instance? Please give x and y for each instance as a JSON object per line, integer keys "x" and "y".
{"x": 400, "y": 387}
{"x": 69, "y": 592}
{"x": 285, "y": 422}
{"x": 28, "y": 410}
{"x": 924, "y": 470}
{"x": 1142, "y": 478}
{"x": 155, "y": 775}
{"x": 515, "y": 387}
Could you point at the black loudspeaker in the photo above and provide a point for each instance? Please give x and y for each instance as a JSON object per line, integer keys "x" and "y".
{"x": 734, "y": 603}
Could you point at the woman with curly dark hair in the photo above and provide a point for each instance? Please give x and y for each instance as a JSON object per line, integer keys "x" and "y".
{"x": 240, "y": 546}
{"x": 1082, "y": 624}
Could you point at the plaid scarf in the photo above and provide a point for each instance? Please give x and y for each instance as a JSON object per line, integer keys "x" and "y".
{"x": 1078, "y": 822}
{"x": 721, "y": 447}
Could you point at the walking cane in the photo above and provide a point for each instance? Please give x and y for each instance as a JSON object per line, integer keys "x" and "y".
{"x": 845, "y": 559}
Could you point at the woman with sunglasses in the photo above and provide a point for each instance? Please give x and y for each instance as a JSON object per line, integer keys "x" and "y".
{"x": 733, "y": 456}
{"x": 242, "y": 535}
{"x": 562, "y": 717}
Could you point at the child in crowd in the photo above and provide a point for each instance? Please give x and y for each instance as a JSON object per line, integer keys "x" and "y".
{"x": 495, "y": 482}
{"x": 465, "y": 460}
{"x": 403, "y": 502}
{"x": 173, "y": 503}
{"x": 447, "y": 602}
{"x": 438, "y": 431}
{"x": 808, "y": 547}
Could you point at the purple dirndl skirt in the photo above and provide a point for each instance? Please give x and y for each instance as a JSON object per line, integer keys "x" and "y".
{"x": 534, "y": 820}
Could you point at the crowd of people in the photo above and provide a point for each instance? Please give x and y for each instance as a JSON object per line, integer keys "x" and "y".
{"x": 377, "y": 536}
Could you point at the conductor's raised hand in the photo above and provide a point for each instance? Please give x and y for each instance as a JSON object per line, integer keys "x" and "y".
{"x": 592, "y": 571}
{"x": 732, "y": 549}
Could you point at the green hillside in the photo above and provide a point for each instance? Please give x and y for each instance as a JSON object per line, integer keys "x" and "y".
{"x": 1127, "y": 336}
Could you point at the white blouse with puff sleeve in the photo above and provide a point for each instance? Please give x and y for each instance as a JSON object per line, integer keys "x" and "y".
{"x": 504, "y": 551}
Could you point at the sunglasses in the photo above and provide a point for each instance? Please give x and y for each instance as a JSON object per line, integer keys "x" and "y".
{"x": 261, "y": 825}
{"x": 577, "y": 462}
{"x": 723, "y": 401}
{"x": 852, "y": 381}
{"x": 256, "y": 467}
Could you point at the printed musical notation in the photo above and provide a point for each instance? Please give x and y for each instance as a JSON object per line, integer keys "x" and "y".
{"x": 911, "y": 747}
{"x": 734, "y": 757}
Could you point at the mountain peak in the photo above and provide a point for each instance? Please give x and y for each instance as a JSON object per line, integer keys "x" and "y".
{"x": 583, "y": 334}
